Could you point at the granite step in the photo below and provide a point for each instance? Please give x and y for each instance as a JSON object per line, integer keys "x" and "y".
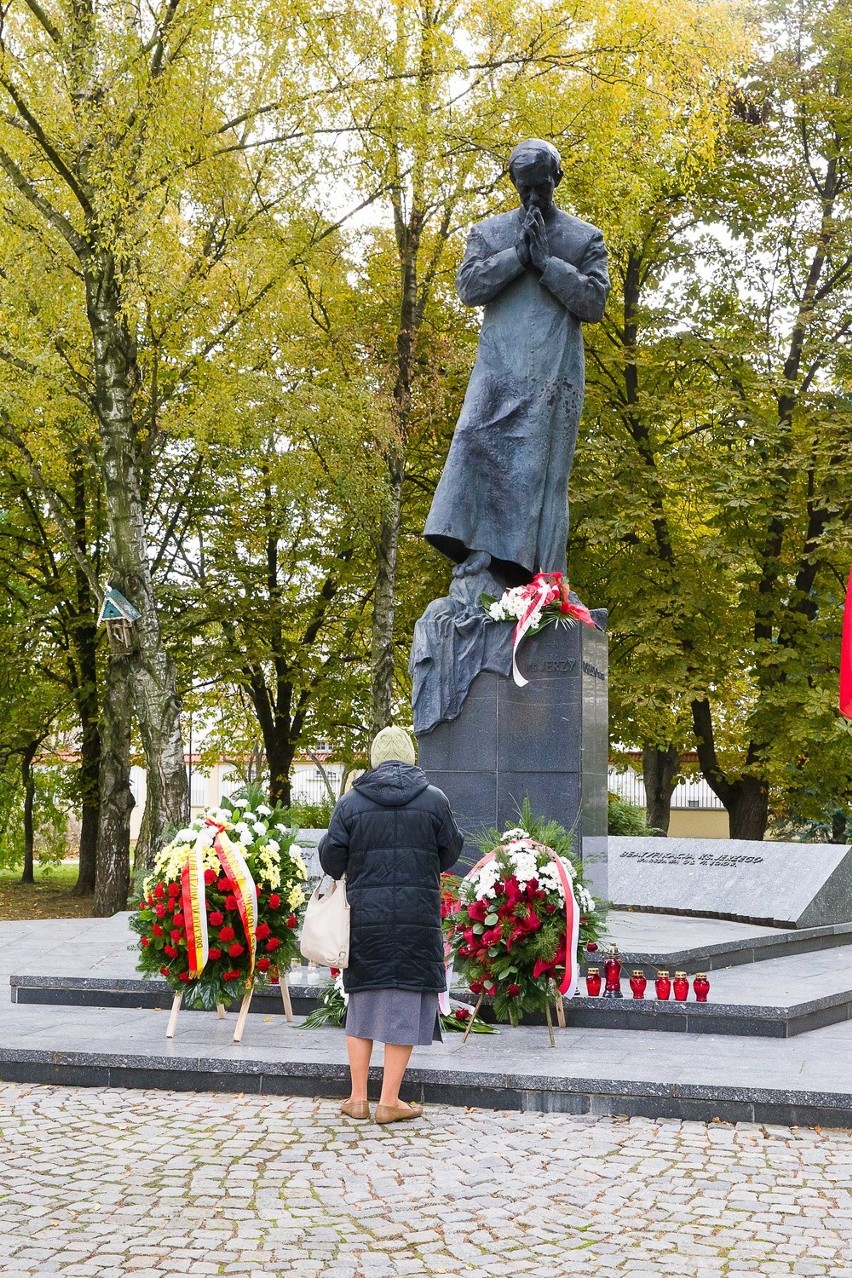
{"x": 803, "y": 1081}
{"x": 773, "y": 998}
{"x": 654, "y": 940}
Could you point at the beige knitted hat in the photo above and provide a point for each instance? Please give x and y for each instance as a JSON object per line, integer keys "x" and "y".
{"x": 392, "y": 743}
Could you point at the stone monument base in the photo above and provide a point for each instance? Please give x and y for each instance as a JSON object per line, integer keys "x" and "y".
{"x": 798, "y": 885}
{"x": 546, "y": 742}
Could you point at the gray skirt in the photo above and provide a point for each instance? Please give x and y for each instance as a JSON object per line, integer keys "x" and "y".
{"x": 401, "y": 1017}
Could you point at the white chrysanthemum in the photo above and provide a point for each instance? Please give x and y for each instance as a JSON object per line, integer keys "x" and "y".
{"x": 240, "y": 803}
{"x": 510, "y": 835}
{"x": 496, "y": 613}
{"x": 274, "y": 845}
{"x": 184, "y": 836}
{"x": 263, "y": 809}
{"x": 245, "y": 836}
{"x": 260, "y": 828}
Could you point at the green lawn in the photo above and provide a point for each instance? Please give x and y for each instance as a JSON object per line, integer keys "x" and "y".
{"x": 50, "y": 897}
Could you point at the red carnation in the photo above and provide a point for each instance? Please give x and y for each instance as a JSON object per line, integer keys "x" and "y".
{"x": 231, "y": 976}
{"x": 592, "y": 946}
{"x": 156, "y": 929}
{"x": 142, "y": 905}
{"x": 476, "y": 987}
{"x": 183, "y": 976}
{"x": 178, "y": 918}
{"x": 263, "y": 964}
{"x": 226, "y": 934}
{"x": 174, "y": 889}
{"x": 216, "y": 919}
{"x": 176, "y": 934}
{"x": 214, "y": 953}
{"x": 143, "y": 940}
{"x": 159, "y": 891}
{"x": 170, "y": 950}
{"x": 262, "y": 931}
{"x": 164, "y": 971}
{"x": 236, "y": 949}
{"x": 230, "y": 902}
{"x": 514, "y": 990}
{"x": 292, "y": 921}
{"x": 550, "y": 908}
{"x": 209, "y": 877}
{"x": 225, "y": 885}
{"x": 272, "y": 944}
{"x": 160, "y": 911}
{"x": 462, "y": 1013}
{"x": 274, "y": 900}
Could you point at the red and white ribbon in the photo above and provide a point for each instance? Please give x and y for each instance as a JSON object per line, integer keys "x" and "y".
{"x": 545, "y": 588}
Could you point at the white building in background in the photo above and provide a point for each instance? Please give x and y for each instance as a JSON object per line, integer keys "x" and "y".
{"x": 210, "y": 786}
{"x": 696, "y": 811}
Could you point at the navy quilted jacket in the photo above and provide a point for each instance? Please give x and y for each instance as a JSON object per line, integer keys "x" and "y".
{"x": 391, "y": 835}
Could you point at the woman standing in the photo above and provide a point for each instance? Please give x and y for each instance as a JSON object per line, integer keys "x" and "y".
{"x": 392, "y": 835}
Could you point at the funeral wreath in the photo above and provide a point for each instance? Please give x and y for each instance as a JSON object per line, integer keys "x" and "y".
{"x": 219, "y": 914}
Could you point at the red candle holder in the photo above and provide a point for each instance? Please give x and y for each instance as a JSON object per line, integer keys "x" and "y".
{"x": 663, "y": 984}
{"x": 593, "y": 982}
{"x": 638, "y": 982}
{"x": 681, "y": 987}
{"x": 701, "y": 986}
{"x": 612, "y": 974}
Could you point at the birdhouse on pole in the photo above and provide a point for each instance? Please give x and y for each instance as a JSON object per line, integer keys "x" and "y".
{"x": 118, "y": 615}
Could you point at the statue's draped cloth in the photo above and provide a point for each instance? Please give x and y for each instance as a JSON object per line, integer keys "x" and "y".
{"x": 505, "y": 484}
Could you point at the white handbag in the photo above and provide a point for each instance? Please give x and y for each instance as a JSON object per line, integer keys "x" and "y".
{"x": 325, "y": 929}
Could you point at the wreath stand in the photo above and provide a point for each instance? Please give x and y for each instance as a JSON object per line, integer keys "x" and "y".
{"x": 243, "y": 1012}
{"x": 560, "y": 1017}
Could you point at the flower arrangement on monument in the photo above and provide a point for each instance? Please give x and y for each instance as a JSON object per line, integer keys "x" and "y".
{"x": 219, "y": 914}
{"x": 521, "y": 918}
{"x": 544, "y": 601}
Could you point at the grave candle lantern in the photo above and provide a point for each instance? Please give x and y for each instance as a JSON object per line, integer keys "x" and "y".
{"x": 662, "y": 984}
{"x": 593, "y": 981}
{"x": 701, "y": 986}
{"x": 681, "y": 986}
{"x": 612, "y": 973}
{"x": 638, "y": 981}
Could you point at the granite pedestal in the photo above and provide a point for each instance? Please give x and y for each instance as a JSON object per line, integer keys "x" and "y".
{"x": 546, "y": 742}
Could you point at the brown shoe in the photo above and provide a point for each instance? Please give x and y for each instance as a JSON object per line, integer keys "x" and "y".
{"x": 397, "y": 1113}
{"x": 355, "y": 1108}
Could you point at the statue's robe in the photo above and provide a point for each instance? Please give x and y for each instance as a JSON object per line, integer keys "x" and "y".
{"x": 504, "y": 489}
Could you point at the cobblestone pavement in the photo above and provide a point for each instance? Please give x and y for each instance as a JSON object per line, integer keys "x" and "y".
{"x": 108, "y": 1183}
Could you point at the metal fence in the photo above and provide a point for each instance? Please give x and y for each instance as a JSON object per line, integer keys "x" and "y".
{"x": 693, "y": 792}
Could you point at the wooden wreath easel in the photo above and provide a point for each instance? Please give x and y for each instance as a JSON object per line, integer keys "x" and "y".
{"x": 243, "y": 1012}
{"x": 560, "y": 1016}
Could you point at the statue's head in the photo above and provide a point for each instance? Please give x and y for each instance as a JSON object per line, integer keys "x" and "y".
{"x": 535, "y": 168}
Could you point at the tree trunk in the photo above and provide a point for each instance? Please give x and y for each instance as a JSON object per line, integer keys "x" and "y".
{"x": 839, "y": 822}
{"x": 659, "y": 769}
{"x": 113, "y": 872}
{"x": 155, "y": 699}
{"x": 28, "y": 779}
{"x": 85, "y": 639}
{"x": 384, "y": 604}
{"x": 748, "y": 808}
{"x": 746, "y": 800}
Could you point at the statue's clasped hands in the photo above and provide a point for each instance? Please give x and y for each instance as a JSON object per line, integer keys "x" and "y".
{"x": 533, "y": 248}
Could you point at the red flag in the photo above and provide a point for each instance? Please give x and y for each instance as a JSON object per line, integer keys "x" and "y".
{"x": 846, "y": 655}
